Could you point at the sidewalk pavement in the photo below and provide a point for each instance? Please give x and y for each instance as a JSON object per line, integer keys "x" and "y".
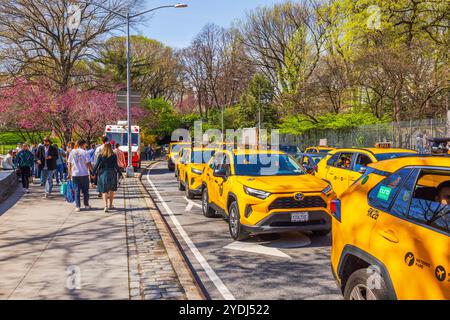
{"x": 49, "y": 251}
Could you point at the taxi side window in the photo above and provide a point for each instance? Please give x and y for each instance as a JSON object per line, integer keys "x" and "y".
{"x": 384, "y": 192}
{"x": 226, "y": 164}
{"x": 403, "y": 199}
{"x": 333, "y": 160}
{"x": 362, "y": 160}
{"x": 430, "y": 203}
{"x": 217, "y": 161}
{"x": 345, "y": 160}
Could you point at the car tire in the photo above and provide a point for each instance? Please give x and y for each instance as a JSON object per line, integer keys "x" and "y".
{"x": 321, "y": 233}
{"x": 357, "y": 287}
{"x": 206, "y": 207}
{"x": 236, "y": 230}
{"x": 189, "y": 193}
{"x": 181, "y": 187}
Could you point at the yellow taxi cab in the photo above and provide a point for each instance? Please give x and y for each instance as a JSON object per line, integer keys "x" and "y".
{"x": 190, "y": 167}
{"x": 264, "y": 191}
{"x": 391, "y": 231}
{"x": 173, "y": 153}
{"x": 319, "y": 149}
{"x": 342, "y": 167}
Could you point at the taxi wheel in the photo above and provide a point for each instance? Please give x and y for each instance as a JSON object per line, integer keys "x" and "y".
{"x": 206, "y": 208}
{"x": 358, "y": 286}
{"x": 180, "y": 185}
{"x": 236, "y": 230}
{"x": 189, "y": 193}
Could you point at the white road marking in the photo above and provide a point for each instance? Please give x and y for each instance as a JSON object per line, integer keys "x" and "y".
{"x": 191, "y": 204}
{"x": 256, "y": 248}
{"x": 212, "y": 275}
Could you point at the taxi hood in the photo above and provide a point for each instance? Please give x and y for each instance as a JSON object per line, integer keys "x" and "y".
{"x": 278, "y": 184}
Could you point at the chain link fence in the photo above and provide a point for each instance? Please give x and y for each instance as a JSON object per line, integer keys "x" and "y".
{"x": 405, "y": 134}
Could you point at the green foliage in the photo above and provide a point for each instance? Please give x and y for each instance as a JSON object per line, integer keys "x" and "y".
{"x": 259, "y": 94}
{"x": 300, "y": 124}
{"x": 161, "y": 118}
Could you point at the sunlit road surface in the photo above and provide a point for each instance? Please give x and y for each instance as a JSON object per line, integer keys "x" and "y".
{"x": 291, "y": 266}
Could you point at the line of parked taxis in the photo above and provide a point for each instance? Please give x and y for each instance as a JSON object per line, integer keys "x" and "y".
{"x": 387, "y": 209}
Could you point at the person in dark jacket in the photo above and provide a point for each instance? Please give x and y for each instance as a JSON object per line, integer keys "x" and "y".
{"x": 46, "y": 159}
{"x": 106, "y": 169}
{"x": 25, "y": 163}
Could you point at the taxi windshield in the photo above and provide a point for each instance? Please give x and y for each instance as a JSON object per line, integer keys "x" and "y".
{"x": 392, "y": 155}
{"x": 176, "y": 147}
{"x": 265, "y": 164}
{"x": 201, "y": 157}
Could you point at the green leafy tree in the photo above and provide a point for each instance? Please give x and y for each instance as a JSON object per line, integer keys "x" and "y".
{"x": 259, "y": 95}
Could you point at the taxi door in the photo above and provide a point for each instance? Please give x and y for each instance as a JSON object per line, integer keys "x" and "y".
{"x": 211, "y": 179}
{"x": 224, "y": 184}
{"x": 416, "y": 256}
{"x": 360, "y": 160}
{"x": 337, "y": 175}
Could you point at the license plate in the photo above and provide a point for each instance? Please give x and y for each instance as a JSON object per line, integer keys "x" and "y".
{"x": 299, "y": 216}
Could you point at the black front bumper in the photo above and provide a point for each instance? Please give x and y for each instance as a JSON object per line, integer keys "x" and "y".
{"x": 281, "y": 222}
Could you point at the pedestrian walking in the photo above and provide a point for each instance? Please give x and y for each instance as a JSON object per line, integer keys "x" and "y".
{"x": 149, "y": 152}
{"x": 419, "y": 143}
{"x": 34, "y": 150}
{"x": 47, "y": 156}
{"x": 8, "y": 161}
{"x": 79, "y": 164}
{"x": 25, "y": 163}
{"x": 97, "y": 153}
{"x": 91, "y": 155}
{"x": 59, "y": 173}
{"x": 106, "y": 170}
{"x": 121, "y": 161}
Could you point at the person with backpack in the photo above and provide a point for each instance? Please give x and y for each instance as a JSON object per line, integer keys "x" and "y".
{"x": 46, "y": 159}
{"x": 79, "y": 166}
{"x": 25, "y": 163}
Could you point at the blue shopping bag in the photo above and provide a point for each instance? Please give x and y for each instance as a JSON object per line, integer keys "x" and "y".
{"x": 70, "y": 192}
{"x": 63, "y": 189}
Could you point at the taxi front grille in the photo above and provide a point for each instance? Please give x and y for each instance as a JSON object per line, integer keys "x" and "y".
{"x": 291, "y": 203}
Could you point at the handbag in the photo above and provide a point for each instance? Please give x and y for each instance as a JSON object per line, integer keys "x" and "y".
{"x": 70, "y": 192}
{"x": 63, "y": 189}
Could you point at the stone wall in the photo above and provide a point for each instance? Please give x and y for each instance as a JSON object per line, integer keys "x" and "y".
{"x": 8, "y": 184}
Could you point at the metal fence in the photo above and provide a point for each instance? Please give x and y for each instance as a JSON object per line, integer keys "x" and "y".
{"x": 402, "y": 135}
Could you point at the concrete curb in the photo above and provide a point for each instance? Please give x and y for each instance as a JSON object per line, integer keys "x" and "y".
{"x": 8, "y": 185}
{"x": 185, "y": 275}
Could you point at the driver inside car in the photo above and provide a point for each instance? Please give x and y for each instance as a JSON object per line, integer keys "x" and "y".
{"x": 444, "y": 193}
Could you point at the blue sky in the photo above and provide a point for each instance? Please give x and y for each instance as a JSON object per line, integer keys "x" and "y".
{"x": 177, "y": 27}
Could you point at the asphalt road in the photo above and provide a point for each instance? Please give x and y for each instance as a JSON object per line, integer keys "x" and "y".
{"x": 290, "y": 266}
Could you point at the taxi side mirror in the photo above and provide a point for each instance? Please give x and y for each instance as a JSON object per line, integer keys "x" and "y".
{"x": 362, "y": 170}
{"x": 220, "y": 173}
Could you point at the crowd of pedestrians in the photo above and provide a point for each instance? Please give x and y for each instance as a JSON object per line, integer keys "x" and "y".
{"x": 87, "y": 167}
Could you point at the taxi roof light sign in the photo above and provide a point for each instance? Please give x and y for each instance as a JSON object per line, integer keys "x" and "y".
{"x": 383, "y": 145}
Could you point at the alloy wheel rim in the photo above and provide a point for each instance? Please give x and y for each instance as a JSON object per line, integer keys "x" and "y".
{"x": 204, "y": 202}
{"x": 362, "y": 292}
{"x": 233, "y": 221}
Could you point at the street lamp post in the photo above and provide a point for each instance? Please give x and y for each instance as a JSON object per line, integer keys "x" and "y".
{"x": 128, "y": 17}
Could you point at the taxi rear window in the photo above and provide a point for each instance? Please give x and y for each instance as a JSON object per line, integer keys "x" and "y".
{"x": 393, "y": 155}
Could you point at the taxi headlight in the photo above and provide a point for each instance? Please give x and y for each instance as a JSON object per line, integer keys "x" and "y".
{"x": 327, "y": 190}
{"x": 196, "y": 171}
{"x": 256, "y": 193}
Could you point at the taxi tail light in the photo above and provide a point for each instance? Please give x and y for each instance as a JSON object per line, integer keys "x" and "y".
{"x": 335, "y": 208}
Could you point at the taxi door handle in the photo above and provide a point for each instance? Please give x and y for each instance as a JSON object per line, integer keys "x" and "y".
{"x": 389, "y": 235}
